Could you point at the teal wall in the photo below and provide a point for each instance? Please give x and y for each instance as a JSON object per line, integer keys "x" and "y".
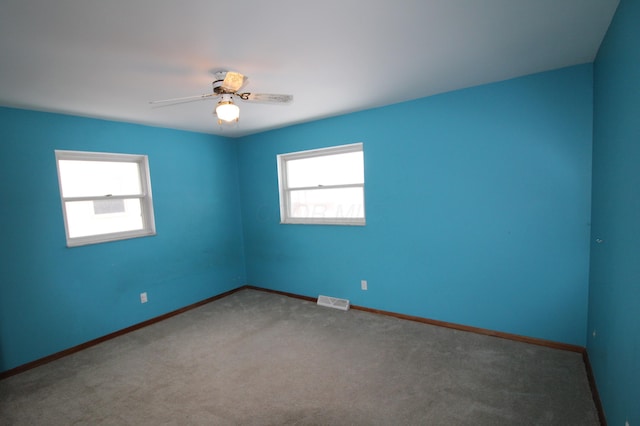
{"x": 478, "y": 208}
{"x": 614, "y": 300}
{"x": 53, "y": 297}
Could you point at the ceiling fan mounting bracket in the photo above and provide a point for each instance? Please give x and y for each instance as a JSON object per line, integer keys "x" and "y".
{"x": 219, "y": 75}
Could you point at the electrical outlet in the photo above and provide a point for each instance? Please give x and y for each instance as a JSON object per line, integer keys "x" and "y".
{"x": 143, "y": 297}
{"x": 594, "y": 333}
{"x": 363, "y": 284}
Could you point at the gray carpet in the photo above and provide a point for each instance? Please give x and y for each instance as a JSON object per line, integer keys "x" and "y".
{"x": 255, "y": 358}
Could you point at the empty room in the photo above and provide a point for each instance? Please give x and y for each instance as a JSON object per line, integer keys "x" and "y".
{"x": 320, "y": 213}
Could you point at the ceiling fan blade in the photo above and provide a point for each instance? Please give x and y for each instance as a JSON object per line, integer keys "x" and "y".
{"x": 233, "y": 81}
{"x": 184, "y": 99}
{"x": 266, "y": 97}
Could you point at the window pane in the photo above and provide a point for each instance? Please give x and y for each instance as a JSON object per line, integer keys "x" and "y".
{"x": 337, "y": 169}
{"x": 327, "y": 203}
{"x": 83, "y": 219}
{"x": 99, "y": 178}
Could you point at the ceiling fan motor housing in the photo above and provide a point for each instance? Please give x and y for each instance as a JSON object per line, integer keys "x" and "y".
{"x": 218, "y": 79}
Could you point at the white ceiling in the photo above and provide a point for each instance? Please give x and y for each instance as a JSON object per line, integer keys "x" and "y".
{"x": 108, "y": 58}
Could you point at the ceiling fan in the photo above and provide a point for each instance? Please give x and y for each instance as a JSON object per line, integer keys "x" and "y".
{"x": 226, "y": 86}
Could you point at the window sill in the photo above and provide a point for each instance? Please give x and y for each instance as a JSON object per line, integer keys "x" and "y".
{"x": 98, "y": 239}
{"x": 315, "y": 221}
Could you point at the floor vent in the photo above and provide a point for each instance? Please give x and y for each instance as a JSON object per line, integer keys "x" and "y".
{"x": 333, "y": 302}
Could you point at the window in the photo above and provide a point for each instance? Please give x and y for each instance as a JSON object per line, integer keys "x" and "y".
{"x": 322, "y": 186}
{"x": 105, "y": 197}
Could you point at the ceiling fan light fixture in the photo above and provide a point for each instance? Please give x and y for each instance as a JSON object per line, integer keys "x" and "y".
{"x": 227, "y": 111}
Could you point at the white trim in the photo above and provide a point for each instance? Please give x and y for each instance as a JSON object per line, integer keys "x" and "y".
{"x": 282, "y": 186}
{"x": 105, "y": 238}
{"x": 311, "y": 188}
{"x": 285, "y": 191}
{"x": 105, "y": 197}
{"x": 332, "y": 150}
{"x": 324, "y": 221}
{"x": 145, "y": 196}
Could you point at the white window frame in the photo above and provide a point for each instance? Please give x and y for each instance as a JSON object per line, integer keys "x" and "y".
{"x": 145, "y": 196}
{"x": 284, "y": 190}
